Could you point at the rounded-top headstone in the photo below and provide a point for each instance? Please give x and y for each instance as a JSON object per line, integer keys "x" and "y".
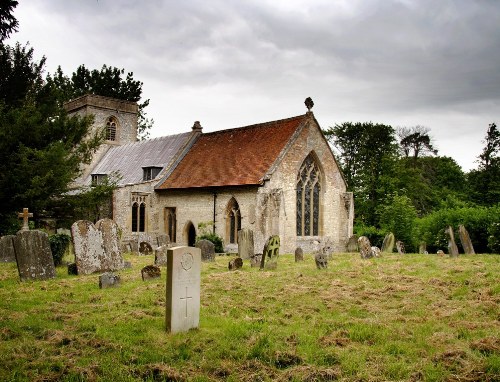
{"x": 365, "y": 248}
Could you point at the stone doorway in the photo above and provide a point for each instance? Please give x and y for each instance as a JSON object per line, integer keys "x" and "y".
{"x": 190, "y": 234}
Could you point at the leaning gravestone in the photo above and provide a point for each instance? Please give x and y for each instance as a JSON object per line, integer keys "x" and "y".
{"x": 161, "y": 256}
{"x": 465, "y": 240}
{"x": 33, "y": 256}
{"x": 7, "y": 253}
{"x": 235, "y": 264}
{"x": 400, "y": 246}
{"x": 271, "y": 253}
{"x": 388, "y": 243}
{"x": 299, "y": 254}
{"x": 365, "y": 248}
{"x": 452, "y": 246}
{"x": 183, "y": 288}
{"x": 207, "y": 249}
{"x": 112, "y": 259}
{"x": 352, "y": 244}
{"x": 321, "y": 259}
{"x": 245, "y": 243}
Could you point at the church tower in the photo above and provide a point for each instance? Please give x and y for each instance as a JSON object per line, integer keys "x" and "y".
{"x": 118, "y": 117}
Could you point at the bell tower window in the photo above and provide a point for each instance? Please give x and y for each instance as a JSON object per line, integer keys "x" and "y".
{"x": 111, "y": 126}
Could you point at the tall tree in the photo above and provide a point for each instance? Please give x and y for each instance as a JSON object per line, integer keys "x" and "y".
{"x": 368, "y": 152}
{"x": 108, "y": 82}
{"x": 416, "y": 141}
{"x": 41, "y": 148}
{"x": 8, "y": 23}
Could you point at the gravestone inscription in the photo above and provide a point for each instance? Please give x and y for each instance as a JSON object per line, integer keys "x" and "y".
{"x": 33, "y": 255}
{"x": 183, "y": 289}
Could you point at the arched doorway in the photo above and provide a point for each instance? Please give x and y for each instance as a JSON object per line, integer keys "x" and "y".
{"x": 190, "y": 234}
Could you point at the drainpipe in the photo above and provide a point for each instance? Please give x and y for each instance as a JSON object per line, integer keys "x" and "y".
{"x": 215, "y": 200}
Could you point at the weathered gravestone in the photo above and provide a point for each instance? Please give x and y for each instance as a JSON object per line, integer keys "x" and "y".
{"x": 207, "y": 249}
{"x": 271, "y": 253}
{"x": 376, "y": 251}
{"x": 33, "y": 256}
{"x": 7, "y": 253}
{"x": 162, "y": 240}
{"x": 465, "y": 240}
{"x": 422, "y": 248}
{"x": 299, "y": 254}
{"x": 245, "y": 243}
{"x": 400, "y": 246}
{"x": 235, "y": 264}
{"x": 112, "y": 259}
{"x": 108, "y": 280}
{"x": 183, "y": 288}
{"x": 150, "y": 272}
{"x": 145, "y": 248}
{"x": 321, "y": 259}
{"x": 255, "y": 260}
{"x": 365, "y": 248}
{"x": 161, "y": 256}
{"x": 388, "y": 243}
{"x": 92, "y": 253}
{"x": 440, "y": 252}
{"x": 352, "y": 244}
{"x": 452, "y": 246}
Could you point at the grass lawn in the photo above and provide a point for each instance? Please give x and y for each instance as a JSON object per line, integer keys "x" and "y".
{"x": 411, "y": 318}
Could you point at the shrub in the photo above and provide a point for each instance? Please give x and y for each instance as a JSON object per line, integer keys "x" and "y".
{"x": 398, "y": 217}
{"x": 494, "y": 237}
{"x": 58, "y": 245}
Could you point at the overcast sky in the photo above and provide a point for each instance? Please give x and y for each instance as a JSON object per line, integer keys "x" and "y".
{"x": 235, "y": 63}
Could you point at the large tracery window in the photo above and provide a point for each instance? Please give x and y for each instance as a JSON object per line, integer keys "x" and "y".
{"x": 111, "y": 129}
{"x": 139, "y": 213}
{"x": 233, "y": 220}
{"x": 308, "y": 198}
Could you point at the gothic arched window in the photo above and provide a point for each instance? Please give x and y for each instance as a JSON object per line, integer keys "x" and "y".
{"x": 233, "y": 219}
{"x": 111, "y": 125}
{"x": 308, "y": 198}
{"x": 138, "y": 217}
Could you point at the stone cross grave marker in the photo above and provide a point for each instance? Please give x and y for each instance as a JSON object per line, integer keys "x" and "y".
{"x": 183, "y": 289}
{"x": 207, "y": 249}
{"x": 465, "y": 240}
{"x": 245, "y": 243}
{"x": 365, "y": 248}
{"x": 7, "y": 253}
{"x": 33, "y": 255}
{"x": 271, "y": 253}
{"x": 388, "y": 243}
{"x": 452, "y": 246}
{"x": 25, "y": 215}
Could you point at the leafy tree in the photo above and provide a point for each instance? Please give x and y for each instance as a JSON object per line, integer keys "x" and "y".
{"x": 8, "y": 23}
{"x": 368, "y": 153}
{"x": 41, "y": 148}
{"x": 398, "y": 216}
{"x": 108, "y": 82}
{"x": 415, "y": 140}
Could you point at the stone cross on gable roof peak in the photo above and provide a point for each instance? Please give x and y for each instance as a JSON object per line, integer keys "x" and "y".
{"x": 25, "y": 215}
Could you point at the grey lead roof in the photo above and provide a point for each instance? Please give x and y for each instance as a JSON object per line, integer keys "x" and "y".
{"x": 128, "y": 160}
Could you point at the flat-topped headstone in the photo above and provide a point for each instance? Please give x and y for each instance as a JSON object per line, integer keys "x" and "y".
{"x": 452, "y": 246}
{"x": 388, "y": 243}
{"x": 33, "y": 255}
{"x": 365, "y": 248}
{"x": 183, "y": 288}
{"x": 207, "y": 249}
{"x": 245, "y": 243}
{"x": 25, "y": 215}
{"x": 150, "y": 272}
{"x": 112, "y": 259}
{"x": 352, "y": 244}
{"x": 108, "y": 280}
{"x": 145, "y": 248}
{"x": 7, "y": 253}
{"x": 161, "y": 256}
{"x": 235, "y": 264}
{"x": 299, "y": 254}
{"x": 271, "y": 253}
{"x": 465, "y": 240}
{"x": 400, "y": 246}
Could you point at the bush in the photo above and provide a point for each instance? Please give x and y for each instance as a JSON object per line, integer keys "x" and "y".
{"x": 58, "y": 245}
{"x": 494, "y": 237}
{"x": 398, "y": 217}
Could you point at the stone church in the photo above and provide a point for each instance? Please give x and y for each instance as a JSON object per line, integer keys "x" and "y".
{"x": 275, "y": 178}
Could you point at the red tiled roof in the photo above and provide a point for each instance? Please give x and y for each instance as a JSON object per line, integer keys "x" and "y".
{"x": 233, "y": 157}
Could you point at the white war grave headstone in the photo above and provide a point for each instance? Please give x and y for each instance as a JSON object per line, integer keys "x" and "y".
{"x": 183, "y": 288}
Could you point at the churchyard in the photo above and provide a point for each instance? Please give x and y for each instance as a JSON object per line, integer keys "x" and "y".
{"x": 395, "y": 317}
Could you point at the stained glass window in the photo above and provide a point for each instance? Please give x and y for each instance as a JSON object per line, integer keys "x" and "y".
{"x": 308, "y": 193}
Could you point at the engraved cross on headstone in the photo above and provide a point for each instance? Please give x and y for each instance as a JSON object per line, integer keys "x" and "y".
{"x": 25, "y": 215}
{"x": 186, "y": 298}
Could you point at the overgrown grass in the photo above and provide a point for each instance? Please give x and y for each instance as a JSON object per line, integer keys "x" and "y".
{"x": 411, "y": 318}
